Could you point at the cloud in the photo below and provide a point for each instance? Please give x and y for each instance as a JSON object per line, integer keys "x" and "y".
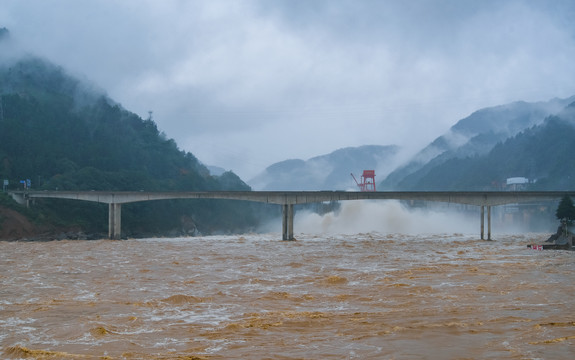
{"x": 243, "y": 84}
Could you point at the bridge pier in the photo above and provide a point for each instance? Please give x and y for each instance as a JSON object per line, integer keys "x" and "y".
{"x": 287, "y": 222}
{"x": 483, "y": 222}
{"x": 114, "y": 221}
{"x": 489, "y": 222}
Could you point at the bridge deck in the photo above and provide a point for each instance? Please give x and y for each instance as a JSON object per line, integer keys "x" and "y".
{"x": 478, "y": 198}
{"x": 290, "y": 198}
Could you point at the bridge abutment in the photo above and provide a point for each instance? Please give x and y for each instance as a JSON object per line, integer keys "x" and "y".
{"x": 19, "y": 198}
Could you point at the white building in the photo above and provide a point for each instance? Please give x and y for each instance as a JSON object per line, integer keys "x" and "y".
{"x": 516, "y": 183}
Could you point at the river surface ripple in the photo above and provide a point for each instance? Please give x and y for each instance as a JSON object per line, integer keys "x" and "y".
{"x": 364, "y": 296}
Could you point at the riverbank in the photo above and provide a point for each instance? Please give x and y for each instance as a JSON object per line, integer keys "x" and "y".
{"x": 15, "y": 226}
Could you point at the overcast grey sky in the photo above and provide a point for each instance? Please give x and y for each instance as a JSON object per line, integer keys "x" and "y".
{"x": 244, "y": 84}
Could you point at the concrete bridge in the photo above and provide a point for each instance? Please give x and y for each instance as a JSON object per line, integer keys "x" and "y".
{"x": 287, "y": 199}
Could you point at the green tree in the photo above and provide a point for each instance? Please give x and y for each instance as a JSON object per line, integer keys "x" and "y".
{"x": 566, "y": 210}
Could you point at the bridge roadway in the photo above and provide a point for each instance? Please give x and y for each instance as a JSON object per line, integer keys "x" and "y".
{"x": 287, "y": 199}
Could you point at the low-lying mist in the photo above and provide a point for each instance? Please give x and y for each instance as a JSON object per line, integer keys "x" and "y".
{"x": 385, "y": 217}
{"x": 391, "y": 216}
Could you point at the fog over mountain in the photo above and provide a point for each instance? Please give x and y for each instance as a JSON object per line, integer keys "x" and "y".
{"x": 56, "y": 133}
{"x": 327, "y": 172}
{"x": 475, "y": 135}
{"x": 537, "y": 158}
{"x": 247, "y": 83}
{"x": 465, "y": 152}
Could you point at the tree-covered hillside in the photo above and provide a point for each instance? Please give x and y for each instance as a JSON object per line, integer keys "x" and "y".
{"x": 61, "y": 134}
{"x": 473, "y": 136}
{"x": 543, "y": 154}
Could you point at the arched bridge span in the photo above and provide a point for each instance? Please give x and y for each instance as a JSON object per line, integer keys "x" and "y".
{"x": 287, "y": 199}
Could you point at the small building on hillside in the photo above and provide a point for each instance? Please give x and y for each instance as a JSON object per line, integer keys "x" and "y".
{"x": 516, "y": 183}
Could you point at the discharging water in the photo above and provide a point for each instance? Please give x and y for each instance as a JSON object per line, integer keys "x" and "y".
{"x": 364, "y": 296}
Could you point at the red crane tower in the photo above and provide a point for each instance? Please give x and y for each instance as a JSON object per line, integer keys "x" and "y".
{"x": 367, "y": 180}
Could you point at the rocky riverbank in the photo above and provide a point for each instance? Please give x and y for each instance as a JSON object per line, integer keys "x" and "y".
{"x": 561, "y": 240}
{"x": 14, "y": 226}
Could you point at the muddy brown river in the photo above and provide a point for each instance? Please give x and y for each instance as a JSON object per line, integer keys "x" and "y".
{"x": 361, "y": 296}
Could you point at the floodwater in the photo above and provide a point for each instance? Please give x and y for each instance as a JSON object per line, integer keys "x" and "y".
{"x": 361, "y": 296}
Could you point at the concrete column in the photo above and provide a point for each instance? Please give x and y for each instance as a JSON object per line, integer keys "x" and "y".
{"x": 489, "y": 222}
{"x": 287, "y": 221}
{"x": 114, "y": 221}
{"x": 482, "y": 221}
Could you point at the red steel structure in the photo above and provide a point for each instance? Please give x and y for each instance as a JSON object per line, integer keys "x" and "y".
{"x": 367, "y": 181}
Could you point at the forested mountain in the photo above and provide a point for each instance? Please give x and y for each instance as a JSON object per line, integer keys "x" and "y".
{"x": 325, "y": 172}
{"x": 533, "y": 141}
{"x": 61, "y": 134}
{"x": 472, "y": 136}
{"x": 542, "y": 153}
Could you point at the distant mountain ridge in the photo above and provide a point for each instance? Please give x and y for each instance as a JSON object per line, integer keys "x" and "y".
{"x": 475, "y": 135}
{"x": 470, "y": 156}
{"x": 325, "y": 172}
{"x": 542, "y": 154}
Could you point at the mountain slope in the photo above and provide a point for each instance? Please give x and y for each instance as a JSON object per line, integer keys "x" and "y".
{"x": 325, "y": 172}
{"x": 473, "y": 136}
{"x": 61, "y": 134}
{"x": 542, "y": 153}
